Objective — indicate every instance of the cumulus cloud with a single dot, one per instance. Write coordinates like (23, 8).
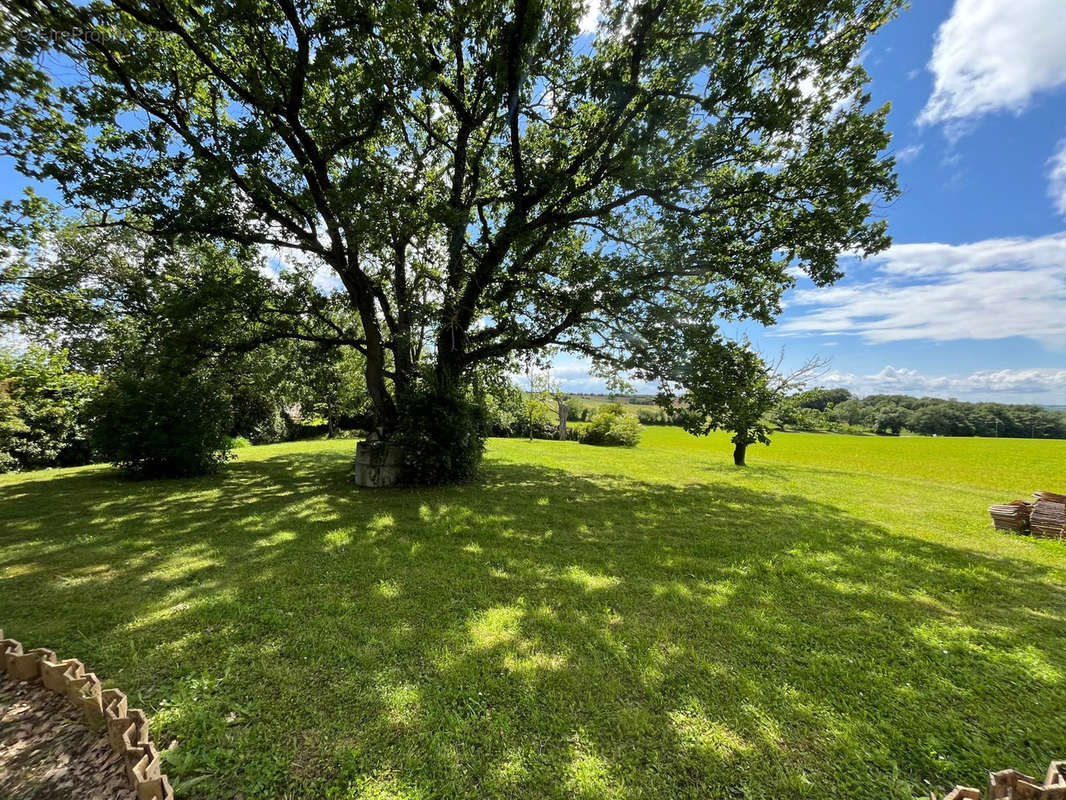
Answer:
(589, 22)
(1057, 178)
(573, 374)
(990, 56)
(991, 289)
(1024, 383)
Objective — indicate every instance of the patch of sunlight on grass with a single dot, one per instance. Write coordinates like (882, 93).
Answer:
(589, 774)
(402, 703)
(336, 539)
(84, 577)
(657, 663)
(509, 771)
(183, 562)
(528, 661)
(696, 732)
(951, 641)
(495, 626)
(20, 570)
(388, 588)
(677, 589)
(381, 523)
(382, 787)
(589, 581)
(473, 548)
(275, 539)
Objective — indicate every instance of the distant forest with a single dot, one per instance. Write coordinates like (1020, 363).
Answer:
(839, 409)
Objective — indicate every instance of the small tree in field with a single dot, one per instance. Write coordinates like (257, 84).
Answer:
(538, 391)
(729, 386)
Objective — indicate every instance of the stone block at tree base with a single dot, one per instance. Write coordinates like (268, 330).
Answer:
(377, 464)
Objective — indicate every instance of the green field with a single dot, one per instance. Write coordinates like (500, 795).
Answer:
(837, 620)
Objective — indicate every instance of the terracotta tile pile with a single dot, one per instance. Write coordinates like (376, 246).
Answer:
(127, 728)
(1009, 784)
(1013, 516)
(1045, 517)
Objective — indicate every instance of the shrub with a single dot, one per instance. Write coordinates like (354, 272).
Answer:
(237, 442)
(610, 425)
(12, 429)
(577, 410)
(163, 423)
(442, 432)
(510, 411)
(538, 422)
(43, 411)
(504, 408)
(272, 428)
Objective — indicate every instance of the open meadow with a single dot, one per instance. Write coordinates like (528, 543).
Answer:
(837, 620)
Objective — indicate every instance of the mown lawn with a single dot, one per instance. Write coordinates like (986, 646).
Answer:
(837, 620)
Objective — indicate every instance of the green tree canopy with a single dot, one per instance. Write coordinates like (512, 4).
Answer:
(481, 179)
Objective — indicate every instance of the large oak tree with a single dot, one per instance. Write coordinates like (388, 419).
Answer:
(483, 179)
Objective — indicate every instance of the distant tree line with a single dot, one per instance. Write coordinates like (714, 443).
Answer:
(840, 410)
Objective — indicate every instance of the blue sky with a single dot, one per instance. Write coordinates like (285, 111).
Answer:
(970, 301)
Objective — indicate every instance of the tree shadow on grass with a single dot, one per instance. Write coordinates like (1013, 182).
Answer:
(537, 634)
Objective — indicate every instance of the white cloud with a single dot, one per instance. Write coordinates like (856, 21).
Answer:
(590, 21)
(1057, 178)
(909, 153)
(1029, 383)
(275, 260)
(992, 289)
(993, 56)
(574, 374)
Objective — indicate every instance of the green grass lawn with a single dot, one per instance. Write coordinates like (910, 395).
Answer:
(837, 620)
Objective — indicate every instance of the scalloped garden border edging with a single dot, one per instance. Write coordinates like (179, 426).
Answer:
(1009, 784)
(127, 728)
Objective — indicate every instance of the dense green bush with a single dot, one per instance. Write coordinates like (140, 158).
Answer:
(271, 428)
(442, 432)
(610, 425)
(540, 421)
(511, 413)
(255, 415)
(577, 410)
(163, 422)
(12, 428)
(43, 411)
(659, 416)
(505, 409)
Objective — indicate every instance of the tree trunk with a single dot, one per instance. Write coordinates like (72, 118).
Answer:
(374, 366)
(739, 451)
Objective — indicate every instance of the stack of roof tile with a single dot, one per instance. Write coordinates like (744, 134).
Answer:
(1013, 516)
(1045, 517)
(1048, 517)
